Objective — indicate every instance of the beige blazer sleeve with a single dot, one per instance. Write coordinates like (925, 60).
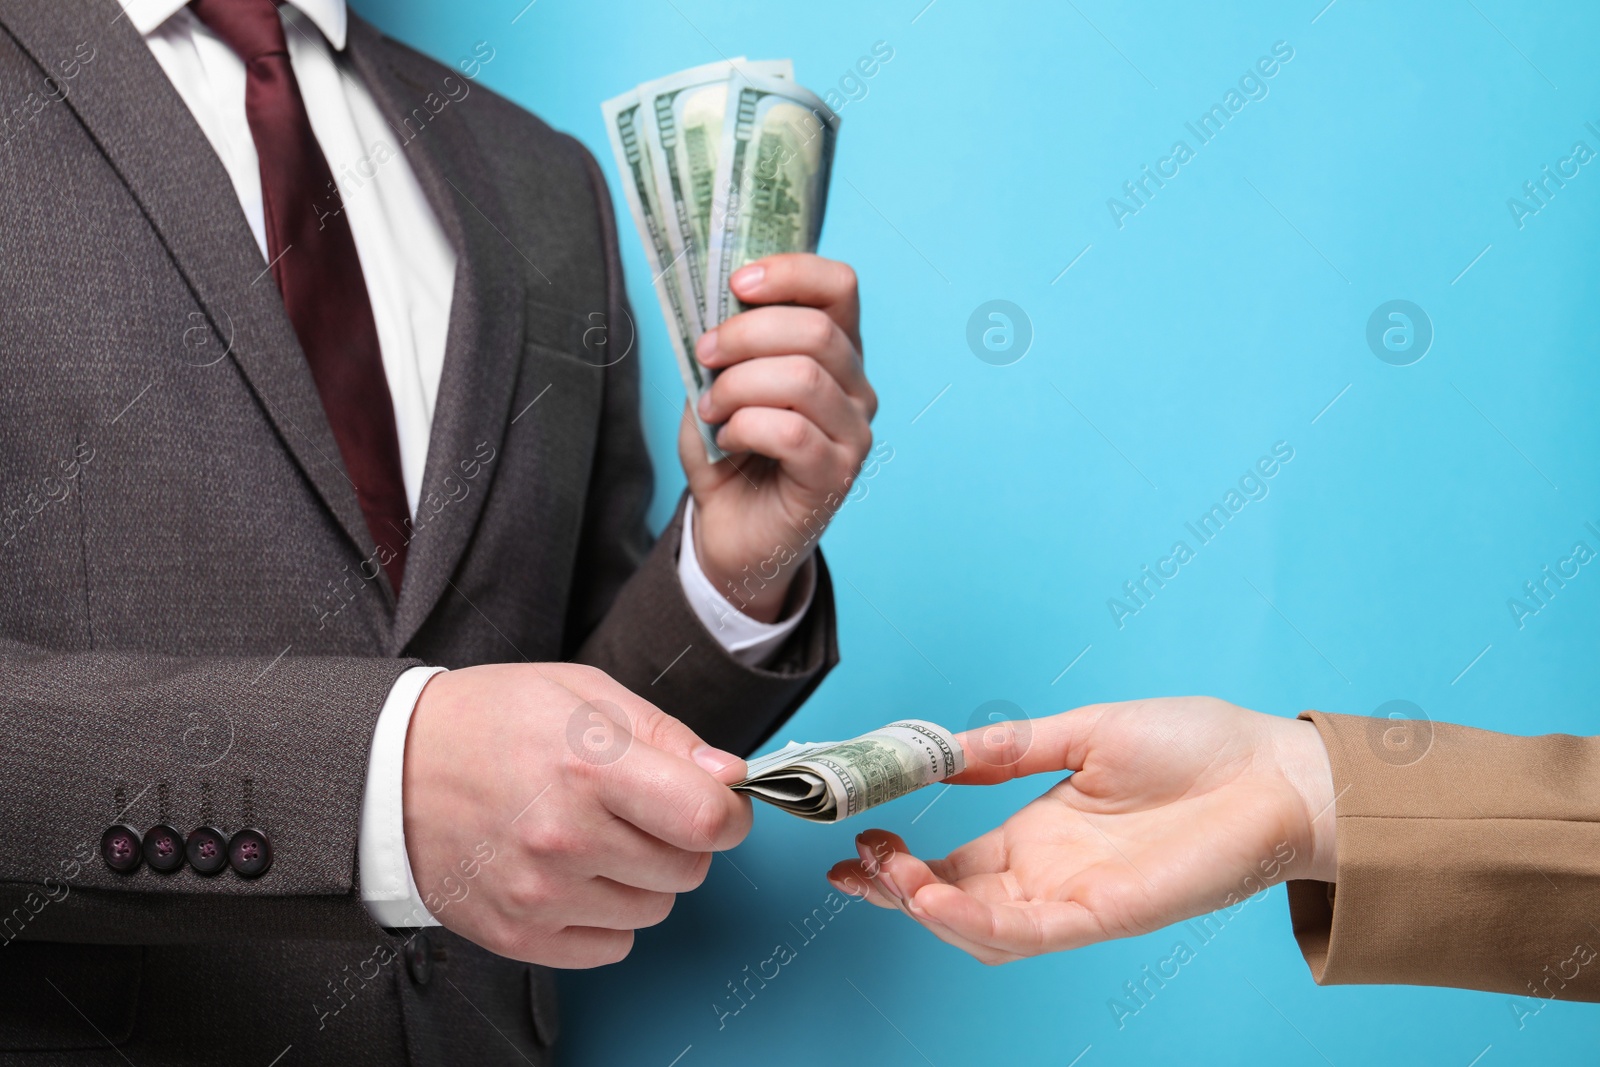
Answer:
(1465, 858)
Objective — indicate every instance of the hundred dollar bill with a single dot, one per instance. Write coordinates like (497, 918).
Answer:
(627, 126)
(772, 181)
(833, 780)
(686, 111)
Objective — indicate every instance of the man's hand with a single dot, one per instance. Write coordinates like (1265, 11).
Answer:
(549, 812)
(794, 406)
(1177, 807)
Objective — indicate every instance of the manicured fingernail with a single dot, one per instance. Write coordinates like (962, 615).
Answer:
(748, 278)
(713, 760)
(852, 887)
(706, 348)
(875, 870)
(704, 405)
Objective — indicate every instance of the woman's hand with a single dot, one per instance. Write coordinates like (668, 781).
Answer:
(1176, 807)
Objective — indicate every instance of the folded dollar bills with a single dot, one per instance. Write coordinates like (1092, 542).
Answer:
(833, 780)
(721, 165)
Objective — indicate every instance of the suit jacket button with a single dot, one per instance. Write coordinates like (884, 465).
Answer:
(207, 849)
(250, 853)
(120, 848)
(163, 848)
(419, 958)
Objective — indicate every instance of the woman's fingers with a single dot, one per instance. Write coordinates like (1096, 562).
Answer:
(850, 877)
(1008, 928)
(891, 866)
(978, 951)
(999, 752)
(892, 874)
(969, 899)
(883, 872)
(886, 874)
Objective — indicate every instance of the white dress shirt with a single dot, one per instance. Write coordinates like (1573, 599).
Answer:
(409, 269)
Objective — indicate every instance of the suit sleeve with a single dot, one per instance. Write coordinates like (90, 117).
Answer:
(1465, 858)
(629, 612)
(96, 739)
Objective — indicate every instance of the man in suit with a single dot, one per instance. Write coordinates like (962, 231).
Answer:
(344, 689)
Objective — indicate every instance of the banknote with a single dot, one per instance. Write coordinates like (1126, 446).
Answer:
(771, 188)
(627, 126)
(833, 780)
(691, 204)
(685, 111)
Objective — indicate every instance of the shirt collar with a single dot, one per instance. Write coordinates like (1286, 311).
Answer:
(332, 17)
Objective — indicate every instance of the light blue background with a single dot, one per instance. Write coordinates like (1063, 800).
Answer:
(1223, 317)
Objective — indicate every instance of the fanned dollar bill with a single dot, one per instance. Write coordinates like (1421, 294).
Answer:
(627, 125)
(670, 137)
(685, 110)
(833, 780)
(772, 181)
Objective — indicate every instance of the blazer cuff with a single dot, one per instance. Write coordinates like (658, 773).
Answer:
(1465, 858)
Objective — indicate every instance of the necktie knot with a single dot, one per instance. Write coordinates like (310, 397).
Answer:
(250, 27)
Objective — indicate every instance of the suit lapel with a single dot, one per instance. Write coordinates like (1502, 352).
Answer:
(146, 133)
(139, 122)
(484, 346)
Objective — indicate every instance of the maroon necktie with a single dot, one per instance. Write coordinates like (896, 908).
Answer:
(313, 260)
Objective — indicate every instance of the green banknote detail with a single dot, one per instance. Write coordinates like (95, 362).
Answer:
(773, 168)
(686, 112)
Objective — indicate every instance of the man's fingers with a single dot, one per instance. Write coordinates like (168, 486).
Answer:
(645, 723)
(1002, 751)
(797, 383)
(692, 441)
(800, 278)
(578, 947)
(811, 457)
(673, 800)
(632, 857)
(608, 905)
(785, 331)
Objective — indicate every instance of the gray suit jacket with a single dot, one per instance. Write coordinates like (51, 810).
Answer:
(185, 632)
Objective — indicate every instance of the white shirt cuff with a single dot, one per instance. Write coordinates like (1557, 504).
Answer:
(388, 888)
(750, 641)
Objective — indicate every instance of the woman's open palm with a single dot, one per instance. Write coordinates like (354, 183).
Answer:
(1176, 807)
